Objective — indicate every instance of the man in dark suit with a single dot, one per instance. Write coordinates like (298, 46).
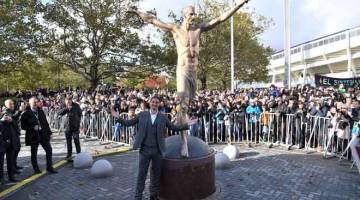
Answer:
(38, 131)
(72, 126)
(6, 148)
(150, 139)
(15, 116)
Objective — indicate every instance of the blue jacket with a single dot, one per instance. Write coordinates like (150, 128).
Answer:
(253, 110)
(274, 93)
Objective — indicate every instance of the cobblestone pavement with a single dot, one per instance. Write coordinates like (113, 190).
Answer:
(58, 144)
(259, 173)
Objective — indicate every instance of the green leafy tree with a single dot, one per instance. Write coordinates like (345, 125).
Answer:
(96, 38)
(46, 74)
(18, 31)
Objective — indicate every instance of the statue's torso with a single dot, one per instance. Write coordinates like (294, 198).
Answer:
(187, 45)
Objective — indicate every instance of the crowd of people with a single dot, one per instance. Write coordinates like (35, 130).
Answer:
(340, 104)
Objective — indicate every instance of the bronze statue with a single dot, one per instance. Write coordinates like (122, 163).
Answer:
(187, 39)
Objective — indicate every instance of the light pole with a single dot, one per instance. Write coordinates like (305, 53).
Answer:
(58, 76)
(287, 50)
(232, 52)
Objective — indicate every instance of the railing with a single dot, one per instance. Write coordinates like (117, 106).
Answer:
(312, 133)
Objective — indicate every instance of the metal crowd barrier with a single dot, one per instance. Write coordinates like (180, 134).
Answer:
(291, 130)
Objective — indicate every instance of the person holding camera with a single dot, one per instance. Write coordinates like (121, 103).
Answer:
(239, 113)
(15, 129)
(222, 111)
(343, 131)
(7, 148)
(300, 125)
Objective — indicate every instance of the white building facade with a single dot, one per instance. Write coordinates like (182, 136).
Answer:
(336, 55)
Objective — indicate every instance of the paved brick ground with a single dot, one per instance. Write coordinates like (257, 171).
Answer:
(259, 173)
(58, 144)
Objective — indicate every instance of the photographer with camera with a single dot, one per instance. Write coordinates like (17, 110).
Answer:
(14, 128)
(301, 121)
(239, 113)
(343, 130)
(222, 111)
(7, 145)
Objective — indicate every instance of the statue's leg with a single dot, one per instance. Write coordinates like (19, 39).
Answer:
(184, 147)
(182, 118)
(183, 92)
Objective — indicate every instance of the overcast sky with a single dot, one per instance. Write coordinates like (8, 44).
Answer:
(310, 18)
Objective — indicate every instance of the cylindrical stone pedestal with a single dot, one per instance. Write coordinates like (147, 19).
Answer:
(187, 178)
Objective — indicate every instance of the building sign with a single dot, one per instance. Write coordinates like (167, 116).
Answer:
(329, 81)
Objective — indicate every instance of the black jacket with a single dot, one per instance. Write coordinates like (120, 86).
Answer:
(73, 117)
(15, 115)
(239, 113)
(13, 127)
(5, 141)
(28, 122)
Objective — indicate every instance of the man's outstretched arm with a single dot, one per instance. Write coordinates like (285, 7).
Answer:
(183, 127)
(213, 23)
(152, 20)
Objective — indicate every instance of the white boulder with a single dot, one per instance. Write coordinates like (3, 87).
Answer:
(222, 161)
(83, 160)
(102, 169)
(231, 151)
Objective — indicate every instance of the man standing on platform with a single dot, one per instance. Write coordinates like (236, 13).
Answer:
(150, 139)
(38, 132)
(72, 127)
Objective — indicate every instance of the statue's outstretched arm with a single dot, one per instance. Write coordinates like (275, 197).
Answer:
(210, 25)
(152, 20)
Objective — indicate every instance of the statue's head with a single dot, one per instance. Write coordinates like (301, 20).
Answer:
(188, 13)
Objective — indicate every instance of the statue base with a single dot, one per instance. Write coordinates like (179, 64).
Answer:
(187, 178)
(217, 195)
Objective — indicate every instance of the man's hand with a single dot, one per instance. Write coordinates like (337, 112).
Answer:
(22, 107)
(132, 9)
(37, 128)
(6, 118)
(114, 113)
(349, 113)
(242, 1)
(3, 118)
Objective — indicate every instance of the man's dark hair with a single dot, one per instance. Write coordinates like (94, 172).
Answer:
(155, 97)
